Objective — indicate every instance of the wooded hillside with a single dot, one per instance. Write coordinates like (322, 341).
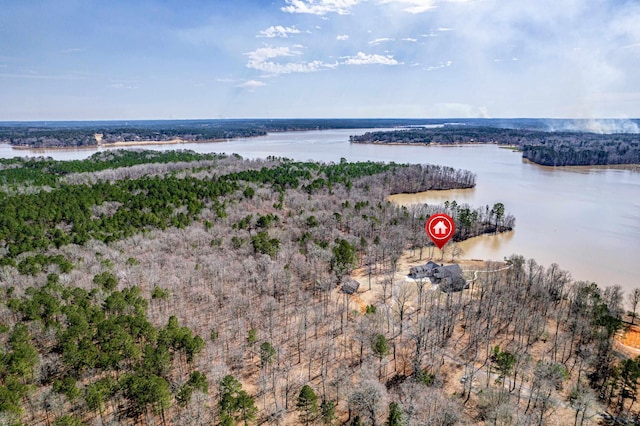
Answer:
(206, 290)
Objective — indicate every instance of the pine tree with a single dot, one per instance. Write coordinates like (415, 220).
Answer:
(328, 411)
(395, 415)
(307, 404)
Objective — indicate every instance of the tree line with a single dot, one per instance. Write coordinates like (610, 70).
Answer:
(39, 135)
(547, 148)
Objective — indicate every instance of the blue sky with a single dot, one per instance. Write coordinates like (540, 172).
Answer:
(85, 60)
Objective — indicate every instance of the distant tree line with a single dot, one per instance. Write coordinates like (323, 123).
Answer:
(545, 148)
(80, 135)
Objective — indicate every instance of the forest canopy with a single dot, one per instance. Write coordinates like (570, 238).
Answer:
(178, 288)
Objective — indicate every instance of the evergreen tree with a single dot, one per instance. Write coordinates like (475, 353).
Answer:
(344, 257)
(328, 412)
(307, 404)
(267, 352)
(395, 415)
(235, 404)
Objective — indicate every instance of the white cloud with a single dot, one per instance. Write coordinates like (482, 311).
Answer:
(261, 54)
(290, 67)
(421, 6)
(251, 84)
(363, 59)
(343, 7)
(414, 6)
(278, 31)
(380, 40)
(259, 60)
(342, 37)
(413, 40)
(320, 7)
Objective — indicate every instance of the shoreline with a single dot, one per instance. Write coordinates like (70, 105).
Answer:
(512, 148)
(175, 141)
(623, 166)
(114, 144)
(459, 144)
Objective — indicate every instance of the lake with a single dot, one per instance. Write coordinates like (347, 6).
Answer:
(585, 219)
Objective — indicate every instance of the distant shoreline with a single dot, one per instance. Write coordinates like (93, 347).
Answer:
(114, 144)
(513, 148)
(430, 143)
(169, 142)
(630, 166)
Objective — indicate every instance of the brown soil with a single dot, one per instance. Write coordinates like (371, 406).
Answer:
(628, 341)
(631, 337)
(410, 258)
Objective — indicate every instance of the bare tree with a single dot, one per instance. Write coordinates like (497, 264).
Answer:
(634, 299)
(403, 295)
(369, 400)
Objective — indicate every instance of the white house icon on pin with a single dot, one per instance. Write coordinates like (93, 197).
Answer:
(440, 228)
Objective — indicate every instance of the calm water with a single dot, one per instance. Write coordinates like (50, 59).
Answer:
(587, 220)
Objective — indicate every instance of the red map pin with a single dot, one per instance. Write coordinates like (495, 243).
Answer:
(440, 229)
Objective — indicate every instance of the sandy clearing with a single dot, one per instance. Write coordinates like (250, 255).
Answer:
(410, 258)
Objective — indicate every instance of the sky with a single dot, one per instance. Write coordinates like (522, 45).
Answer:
(189, 59)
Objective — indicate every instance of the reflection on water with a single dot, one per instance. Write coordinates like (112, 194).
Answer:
(585, 219)
(483, 247)
(486, 246)
(434, 197)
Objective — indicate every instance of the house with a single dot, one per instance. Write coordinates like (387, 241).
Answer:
(423, 271)
(440, 228)
(449, 278)
(349, 285)
(441, 272)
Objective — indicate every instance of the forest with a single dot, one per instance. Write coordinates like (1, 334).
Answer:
(549, 148)
(83, 134)
(35, 137)
(562, 148)
(141, 287)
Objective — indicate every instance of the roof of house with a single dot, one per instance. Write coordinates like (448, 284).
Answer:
(447, 271)
(423, 271)
(448, 277)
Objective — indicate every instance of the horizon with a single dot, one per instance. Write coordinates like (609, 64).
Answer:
(326, 59)
(588, 119)
(596, 126)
